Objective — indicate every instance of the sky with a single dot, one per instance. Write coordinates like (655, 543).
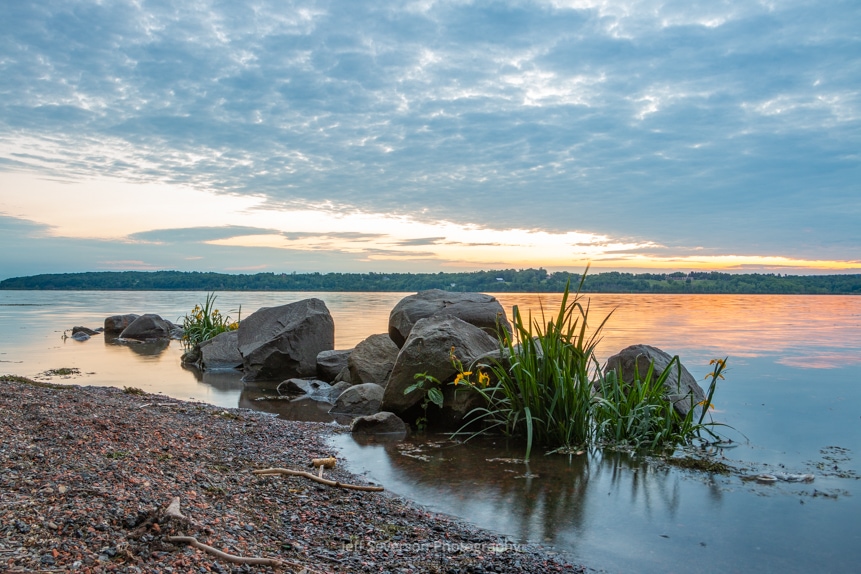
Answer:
(425, 136)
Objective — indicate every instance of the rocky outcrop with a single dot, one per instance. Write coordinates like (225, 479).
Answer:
(478, 309)
(331, 363)
(283, 342)
(428, 350)
(682, 390)
(115, 324)
(379, 423)
(220, 352)
(372, 360)
(361, 399)
(149, 327)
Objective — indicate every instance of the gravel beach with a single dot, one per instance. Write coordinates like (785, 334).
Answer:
(87, 475)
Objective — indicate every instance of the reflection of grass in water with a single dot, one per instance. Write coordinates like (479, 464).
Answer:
(694, 463)
(61, 372)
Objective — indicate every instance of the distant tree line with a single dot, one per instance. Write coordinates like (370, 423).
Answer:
(499, 281)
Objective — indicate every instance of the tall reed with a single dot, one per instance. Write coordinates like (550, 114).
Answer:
(544, 377)
(205, 322)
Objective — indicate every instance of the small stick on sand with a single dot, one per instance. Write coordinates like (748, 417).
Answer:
(308, 475)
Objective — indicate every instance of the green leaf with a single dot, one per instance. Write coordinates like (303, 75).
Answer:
(435, 396)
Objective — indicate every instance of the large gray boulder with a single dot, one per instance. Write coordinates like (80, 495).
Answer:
(283, 342)
(331, 363)
(364, 399)
(379, 423)
(428, 350)
(372, 360)
(220, 352)
(478, 309)
(148, 327)
(683, 392)
(115, 324)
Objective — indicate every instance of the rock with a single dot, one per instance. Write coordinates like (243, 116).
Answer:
(427, 350)
(80, 336)
(331, 363)
(344, 376)
(682, 393)
(148, 327)
(372, 360)
(303, 386)
(361, 399)
(176, 331)
(84, 330)
(115, 324)
(331, 393)
(478, 309)
(220, 352)
(283, 342)
(379, 423)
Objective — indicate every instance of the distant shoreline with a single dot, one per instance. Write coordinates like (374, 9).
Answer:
(496, 281)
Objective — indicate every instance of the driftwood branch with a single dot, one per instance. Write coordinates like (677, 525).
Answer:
(192, 541)
(308, 475)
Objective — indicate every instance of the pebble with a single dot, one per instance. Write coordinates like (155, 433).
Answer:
(123, 464)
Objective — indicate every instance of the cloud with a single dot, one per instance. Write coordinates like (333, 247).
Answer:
(731, 125)
(196, 234)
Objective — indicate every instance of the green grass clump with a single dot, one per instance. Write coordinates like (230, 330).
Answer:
(544, 380)
(550, 389)
(205, 322)
(133, 391)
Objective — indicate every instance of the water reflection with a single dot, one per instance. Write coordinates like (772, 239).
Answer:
(615, 512)
(149, 350)
(699, 327)
(224, 380)
(264, 396)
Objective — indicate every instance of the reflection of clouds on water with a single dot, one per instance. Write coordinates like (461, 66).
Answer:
(698, 327)
(822, 360)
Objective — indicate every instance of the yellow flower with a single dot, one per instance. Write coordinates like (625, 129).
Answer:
(720, 362)
(462, 377)
(703, 402)
(483, 379)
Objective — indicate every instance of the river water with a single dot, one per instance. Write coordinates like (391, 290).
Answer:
(792, 388)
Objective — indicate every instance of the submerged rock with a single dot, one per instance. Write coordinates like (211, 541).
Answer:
(380, 423)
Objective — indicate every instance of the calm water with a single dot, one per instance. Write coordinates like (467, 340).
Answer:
(792, 388)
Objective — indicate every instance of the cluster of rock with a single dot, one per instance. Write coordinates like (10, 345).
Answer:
(294, 344)
(133, 328)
